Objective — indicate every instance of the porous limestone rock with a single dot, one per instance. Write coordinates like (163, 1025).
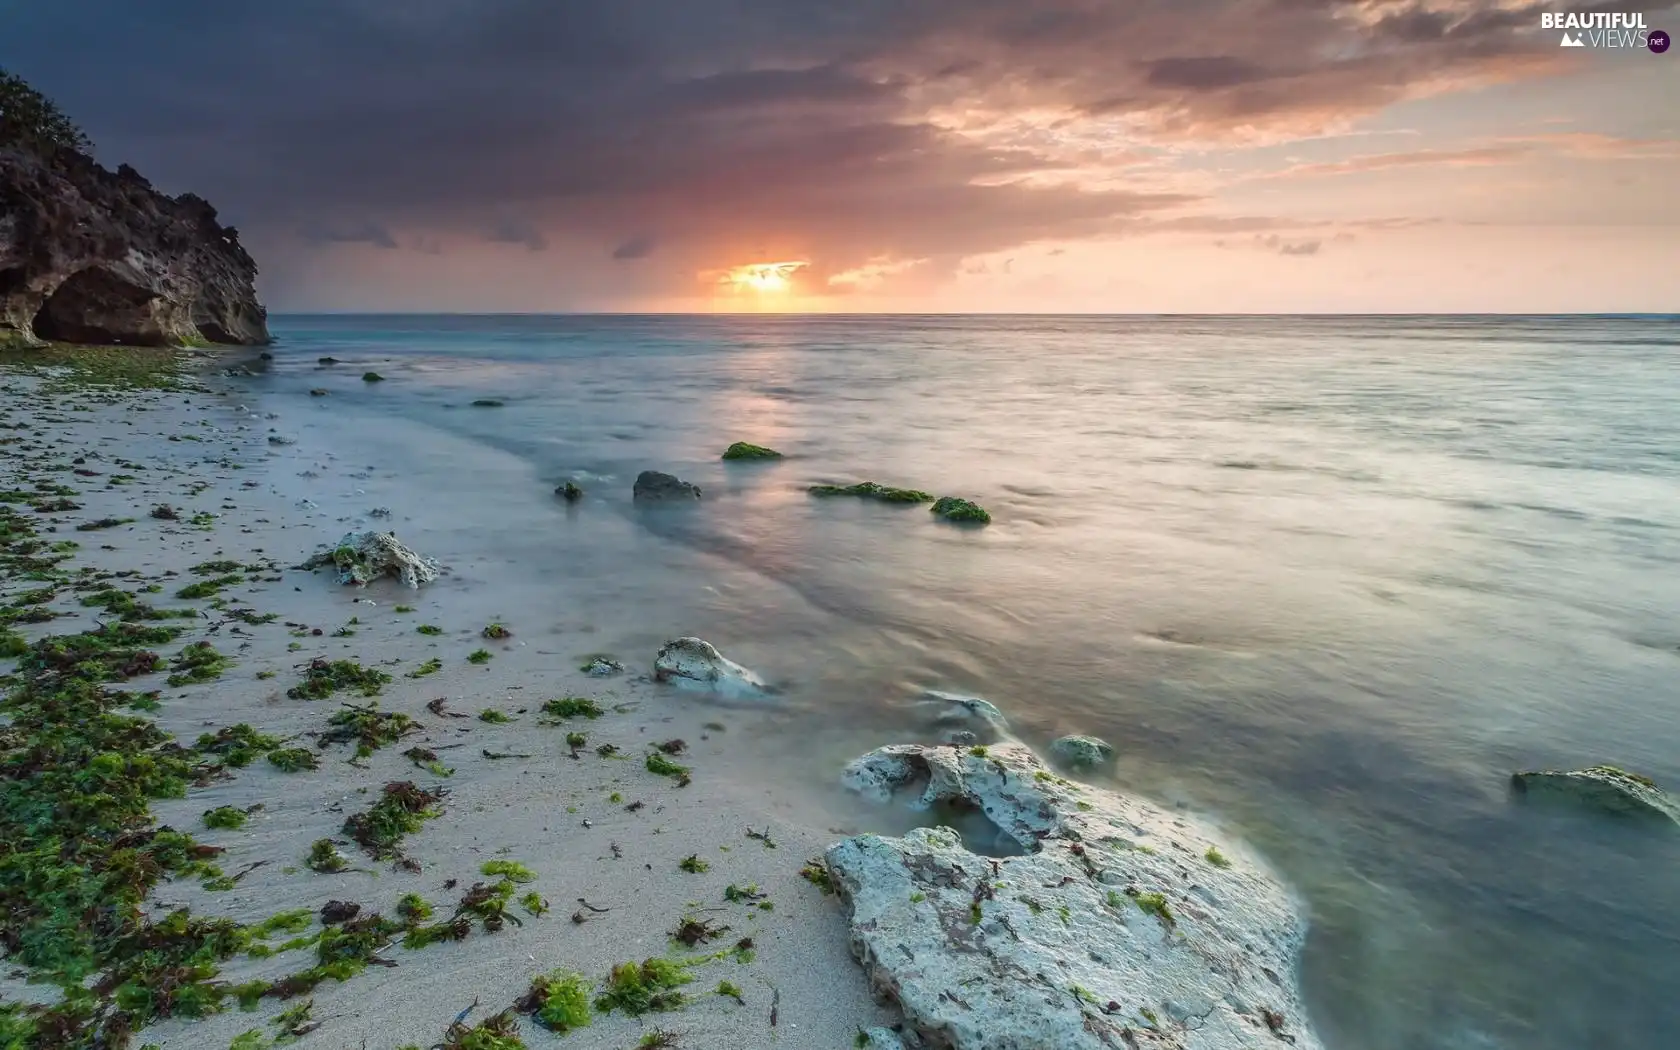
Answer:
(1082, 752)
(361, 557)
(879, 1039)
(1112, 931)
(93, 256)
(955, 712)
(693, 661)
(1604, 787)
(652, 486)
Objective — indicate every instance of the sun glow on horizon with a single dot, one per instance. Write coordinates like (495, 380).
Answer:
(766, 278)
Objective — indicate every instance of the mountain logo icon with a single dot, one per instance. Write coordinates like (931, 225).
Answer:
(1572, 41)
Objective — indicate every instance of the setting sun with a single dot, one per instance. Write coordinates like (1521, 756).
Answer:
(762, 277)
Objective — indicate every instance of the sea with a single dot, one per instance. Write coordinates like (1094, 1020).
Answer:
(1325, 581)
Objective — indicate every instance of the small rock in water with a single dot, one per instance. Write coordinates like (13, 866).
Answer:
(326, 360)
(951, 508)
(747, 450)
(651, 485)
(317, 392)
(1604, 787)
(276, 439)
(602, 667)
(380, 512)
(372, 377)
(571, 492)
(1082, 752)
(488, 402)
(697, 662)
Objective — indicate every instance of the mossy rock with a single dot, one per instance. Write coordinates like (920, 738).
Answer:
(872, 490)
(571, 492)
(1082, 752)
(953, 508)
(372, 377)
(747, 450)
(1601, 787)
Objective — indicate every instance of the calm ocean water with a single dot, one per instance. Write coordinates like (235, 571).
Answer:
(1327, 580)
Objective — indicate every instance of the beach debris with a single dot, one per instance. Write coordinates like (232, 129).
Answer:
(165, 512)
(439, 707)
(953, 508)
(496, 632)
(335, 912)
(694, 661)
(400, 811)
(1082, 752)
(281, 439)
(362, 557)
(653, 486)
(600, 665)
(1117, 923)
(747, 450)
(874, 491)
(692, 932)
(1602, 787)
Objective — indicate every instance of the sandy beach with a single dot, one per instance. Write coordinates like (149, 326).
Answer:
(620, 855)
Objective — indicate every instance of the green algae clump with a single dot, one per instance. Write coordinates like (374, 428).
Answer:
(747, 450)
(559, 1001)
(323, 678)
(953, 508)
(651, 986)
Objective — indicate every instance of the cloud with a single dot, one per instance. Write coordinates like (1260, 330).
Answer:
(517, 231)
(1485, 155)
(368, 232)
(638, 247)
(739, 129)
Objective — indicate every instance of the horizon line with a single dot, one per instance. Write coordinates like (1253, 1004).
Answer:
(1646, 314)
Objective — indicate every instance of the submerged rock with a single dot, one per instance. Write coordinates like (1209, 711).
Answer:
(1082, 752)
(571, 492)
(318, 392)
(372, 377)
(94, 256)
(1604, 787)
(697, 662)
(871, 490)
(651, 485)
(1120, 926)
(956, 713)
(488, 402)
(746, 450)
(951, 508)
(362, 557)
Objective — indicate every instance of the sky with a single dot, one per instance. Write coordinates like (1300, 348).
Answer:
(1154, 156)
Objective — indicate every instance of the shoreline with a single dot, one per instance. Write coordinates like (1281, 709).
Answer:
(565, 820)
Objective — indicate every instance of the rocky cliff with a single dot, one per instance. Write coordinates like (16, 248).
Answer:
(93, 256)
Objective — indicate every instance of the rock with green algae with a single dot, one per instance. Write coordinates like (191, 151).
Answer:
(1136, 946)
(1603, 787)
(1082, 752)
(953, 508)
(873, 490)
(362, 557)
(654, 486)
(747, 450)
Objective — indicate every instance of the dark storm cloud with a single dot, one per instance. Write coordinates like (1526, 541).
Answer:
(720, 123)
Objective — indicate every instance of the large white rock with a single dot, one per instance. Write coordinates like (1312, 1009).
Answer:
(361, 557)
(696, 662)
(1116, 929)
(958, 713)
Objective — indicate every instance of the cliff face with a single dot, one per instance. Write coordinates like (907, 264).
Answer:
(93, 256)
